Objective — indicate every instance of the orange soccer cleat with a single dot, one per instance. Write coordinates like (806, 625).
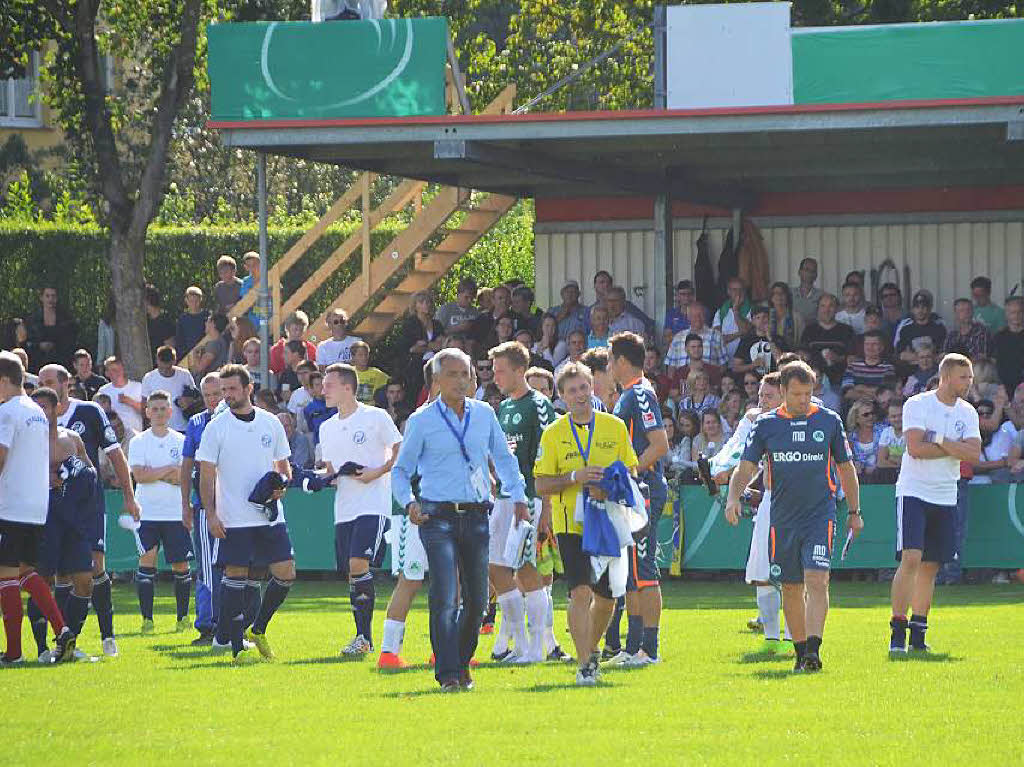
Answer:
(388, 661)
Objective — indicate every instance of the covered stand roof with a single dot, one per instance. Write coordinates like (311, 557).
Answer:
(726, 157)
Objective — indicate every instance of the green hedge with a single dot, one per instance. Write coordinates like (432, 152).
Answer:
(74, 259)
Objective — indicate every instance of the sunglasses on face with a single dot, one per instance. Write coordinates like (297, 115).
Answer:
(339, 322)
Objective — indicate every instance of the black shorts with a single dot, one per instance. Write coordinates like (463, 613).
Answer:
(578, 571)
(255, 546)
(19, 543)
(66, 548)
(172, 536)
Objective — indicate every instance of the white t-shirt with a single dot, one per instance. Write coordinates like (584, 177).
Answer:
(128, 415)
(25, 479)
(160, 501)
(244, 451)
(854, 319)
(897, 445)
(296, 404)
(365, 437)
(174, 385)
(330, 351)
(935, 479)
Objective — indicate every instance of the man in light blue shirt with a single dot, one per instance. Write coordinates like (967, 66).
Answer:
(450, 443)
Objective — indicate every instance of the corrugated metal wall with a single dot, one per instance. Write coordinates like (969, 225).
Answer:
(943, 256)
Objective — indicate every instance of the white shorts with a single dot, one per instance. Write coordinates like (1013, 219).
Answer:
(408, 557)
(758, 565)
(501, 519)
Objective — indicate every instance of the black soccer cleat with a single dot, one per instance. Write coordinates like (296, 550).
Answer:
(811, 662)
(498, 657)
(606, 654)
(64, 647)
(205, 639)
(559, 655)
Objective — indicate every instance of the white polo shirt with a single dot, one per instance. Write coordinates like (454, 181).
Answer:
(159, 501)
(244, 451)
(935, 479)
(25, 479)
(174, 385)
(365, 437)
(330, 351)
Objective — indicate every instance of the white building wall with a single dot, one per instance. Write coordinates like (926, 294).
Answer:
(944, 252)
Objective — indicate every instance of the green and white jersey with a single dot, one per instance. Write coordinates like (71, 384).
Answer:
(523, 420)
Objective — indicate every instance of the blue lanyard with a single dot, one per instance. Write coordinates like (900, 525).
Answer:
(590, 438)
(465, 427)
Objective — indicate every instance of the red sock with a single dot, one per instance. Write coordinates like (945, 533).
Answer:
(10, 601)
(40, 592)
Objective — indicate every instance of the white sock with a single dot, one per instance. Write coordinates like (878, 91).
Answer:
(504, 625)
(769, 601)
(394, 634)
(550, 643)
(515, 603)
(537, 616)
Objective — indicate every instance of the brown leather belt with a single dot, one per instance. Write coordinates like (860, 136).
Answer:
(458, 508)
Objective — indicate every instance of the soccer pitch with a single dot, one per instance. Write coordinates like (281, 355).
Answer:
(712, 700)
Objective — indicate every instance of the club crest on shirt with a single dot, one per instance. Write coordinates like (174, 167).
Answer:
(359, 437)
(78, 428)
(960, 427)
(265, 440)
(819, 435)
(175, 454)
(108, 433)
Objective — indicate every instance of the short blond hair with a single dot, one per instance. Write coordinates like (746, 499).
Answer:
(514, 352)
(573, 370)
(953, 360)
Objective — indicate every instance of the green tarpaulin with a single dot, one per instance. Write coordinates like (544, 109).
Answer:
(304, 71)
(948, 60)
(995, 531)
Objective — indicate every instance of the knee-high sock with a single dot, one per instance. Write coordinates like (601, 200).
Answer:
(362, 597)
(536, 616)
(634, 633)
(10, 603)
(392, 636)
(182, 592)
(251, 601)
(769, 602)
(39, 590)
(613, 636)
(145, 585)
(501, 639)
(37, 621)
(277, 590)
(103, 605)
(229, 624)
(649, 644)
(516, 605)
(549, 622)
(61, 592)
(75, 610)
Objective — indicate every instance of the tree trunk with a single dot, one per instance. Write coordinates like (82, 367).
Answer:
(126, 255)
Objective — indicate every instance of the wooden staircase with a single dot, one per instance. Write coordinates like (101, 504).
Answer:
(476, 214)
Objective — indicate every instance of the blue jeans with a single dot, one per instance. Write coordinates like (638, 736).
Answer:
(456, 546)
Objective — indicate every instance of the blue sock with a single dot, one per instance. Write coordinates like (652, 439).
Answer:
(277, 590)
(650, 644)
(253, 599)
(103, 605)
(39, 624)
(75, 610)
(229, 625)
(145, 586)
(613, 636)
(182, 592)
(61, 592)
(634, 633)
(362, 596)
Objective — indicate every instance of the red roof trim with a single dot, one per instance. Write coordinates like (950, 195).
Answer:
(616, 115)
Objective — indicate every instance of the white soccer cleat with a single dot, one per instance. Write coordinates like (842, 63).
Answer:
(45, 657)
(358, 646)
(619, 659)
(641, 659)
(110, 647)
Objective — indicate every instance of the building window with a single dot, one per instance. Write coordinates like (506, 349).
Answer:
(19, 98)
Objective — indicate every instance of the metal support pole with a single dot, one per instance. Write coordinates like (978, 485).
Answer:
(664, 259)
(660, 57)
(264, 294)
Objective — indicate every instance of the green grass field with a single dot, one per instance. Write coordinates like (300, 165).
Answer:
(711, 701)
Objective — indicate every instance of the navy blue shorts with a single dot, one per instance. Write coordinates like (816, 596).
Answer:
(793, 548)
(643, 557)
(927, 527)
(98, 534)
(66, 548)
(261, 546)
(360, 538)
(171, 536)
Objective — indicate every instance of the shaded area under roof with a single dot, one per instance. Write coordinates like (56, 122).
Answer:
(722, 157)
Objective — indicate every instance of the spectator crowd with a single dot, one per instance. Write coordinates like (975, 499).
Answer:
(705, 362)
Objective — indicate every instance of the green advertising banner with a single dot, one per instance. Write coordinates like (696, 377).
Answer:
(947, 60)
(705, 540)
(295, 70)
